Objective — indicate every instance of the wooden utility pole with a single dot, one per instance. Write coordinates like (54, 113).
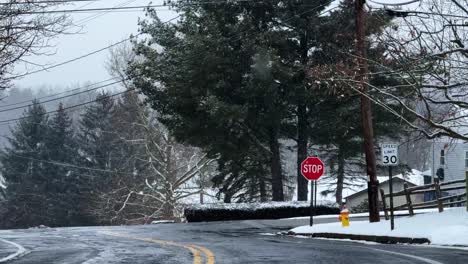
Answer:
(366, 112)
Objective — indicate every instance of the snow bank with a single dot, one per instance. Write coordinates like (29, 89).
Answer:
(447, 228)
(247, 211)
(250, 206)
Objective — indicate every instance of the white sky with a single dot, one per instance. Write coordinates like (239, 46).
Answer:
(97, 33)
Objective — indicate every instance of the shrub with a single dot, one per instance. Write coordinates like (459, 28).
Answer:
(244, 211)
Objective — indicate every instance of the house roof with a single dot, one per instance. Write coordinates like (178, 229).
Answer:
(414, 178)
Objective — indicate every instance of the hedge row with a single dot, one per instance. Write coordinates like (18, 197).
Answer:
(226, 212)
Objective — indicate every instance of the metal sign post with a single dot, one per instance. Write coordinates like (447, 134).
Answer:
(390, 159)
(390, 187)
(312, 209)
(312, 169)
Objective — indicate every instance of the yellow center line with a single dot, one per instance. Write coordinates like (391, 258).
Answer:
(195, 250)
(210, 257)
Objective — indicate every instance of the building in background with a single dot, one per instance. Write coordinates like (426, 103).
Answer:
(415, 178)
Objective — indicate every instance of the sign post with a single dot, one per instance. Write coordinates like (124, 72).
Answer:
(390, 159)
(312, 169)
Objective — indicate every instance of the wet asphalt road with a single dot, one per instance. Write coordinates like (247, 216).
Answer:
(216, 242)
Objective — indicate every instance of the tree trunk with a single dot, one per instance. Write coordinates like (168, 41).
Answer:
(227, 197)
(263, 195)
(301, 151)
(169, 205)
(302, 136)
(275, 166)
(340, 174)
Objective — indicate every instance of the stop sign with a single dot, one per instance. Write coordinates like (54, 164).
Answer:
(312, 168)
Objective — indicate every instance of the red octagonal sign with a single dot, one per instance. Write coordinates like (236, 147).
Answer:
(312, 168)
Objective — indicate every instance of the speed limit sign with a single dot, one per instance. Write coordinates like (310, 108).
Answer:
(389, 154)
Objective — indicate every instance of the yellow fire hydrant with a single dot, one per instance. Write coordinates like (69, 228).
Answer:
(344, 217)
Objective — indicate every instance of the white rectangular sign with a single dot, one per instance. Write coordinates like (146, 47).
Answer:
(389, 154)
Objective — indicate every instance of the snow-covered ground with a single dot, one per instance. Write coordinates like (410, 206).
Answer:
(447, 228)
(396, 213)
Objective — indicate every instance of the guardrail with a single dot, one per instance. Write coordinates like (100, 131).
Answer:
(437, 188)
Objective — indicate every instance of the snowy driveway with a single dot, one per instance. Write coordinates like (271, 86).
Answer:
(228, 242)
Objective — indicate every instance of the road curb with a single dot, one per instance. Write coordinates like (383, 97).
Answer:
(377, 239)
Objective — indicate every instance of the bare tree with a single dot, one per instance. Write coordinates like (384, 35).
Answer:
(117, 63)
(26, 29)
(166, 173)
(169, 175)
(174, 169)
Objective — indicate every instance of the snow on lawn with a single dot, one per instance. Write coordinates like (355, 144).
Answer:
(447, 228)
(396, 213)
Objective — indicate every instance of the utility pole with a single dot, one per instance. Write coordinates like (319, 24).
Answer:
(366, 112)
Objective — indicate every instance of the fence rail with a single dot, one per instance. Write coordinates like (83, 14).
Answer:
(439, 202)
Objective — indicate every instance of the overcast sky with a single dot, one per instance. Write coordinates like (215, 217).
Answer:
(97, 33)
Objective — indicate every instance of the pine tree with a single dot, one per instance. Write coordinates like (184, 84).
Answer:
(219, 93)
(24, 171)
(96, 140)
(61, 150)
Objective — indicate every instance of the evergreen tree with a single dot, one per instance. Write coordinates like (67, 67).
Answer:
(61, 150)
(96, 140)
(227, 74)
(24, 171)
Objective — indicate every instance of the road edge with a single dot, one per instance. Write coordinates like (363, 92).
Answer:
(21, 251)
(370, 238)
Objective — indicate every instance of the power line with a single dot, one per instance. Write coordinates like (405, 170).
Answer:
(62, 97)
(48, 2)
(95, 16)
(87, 10)
(70, 165)
(85, 55)
(74, 59)
(395, 4)
(60, 93)
(406, 13)
(99, 9)
(69, 107)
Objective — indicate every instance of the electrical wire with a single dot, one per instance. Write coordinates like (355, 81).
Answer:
(68, 11)
(62, 97)
(70, 165)
(68, 107)
(395, 4)
(95, 16)
(60, 93)
(47, 2)
(85, 55)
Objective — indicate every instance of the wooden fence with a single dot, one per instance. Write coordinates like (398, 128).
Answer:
(437, 188)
